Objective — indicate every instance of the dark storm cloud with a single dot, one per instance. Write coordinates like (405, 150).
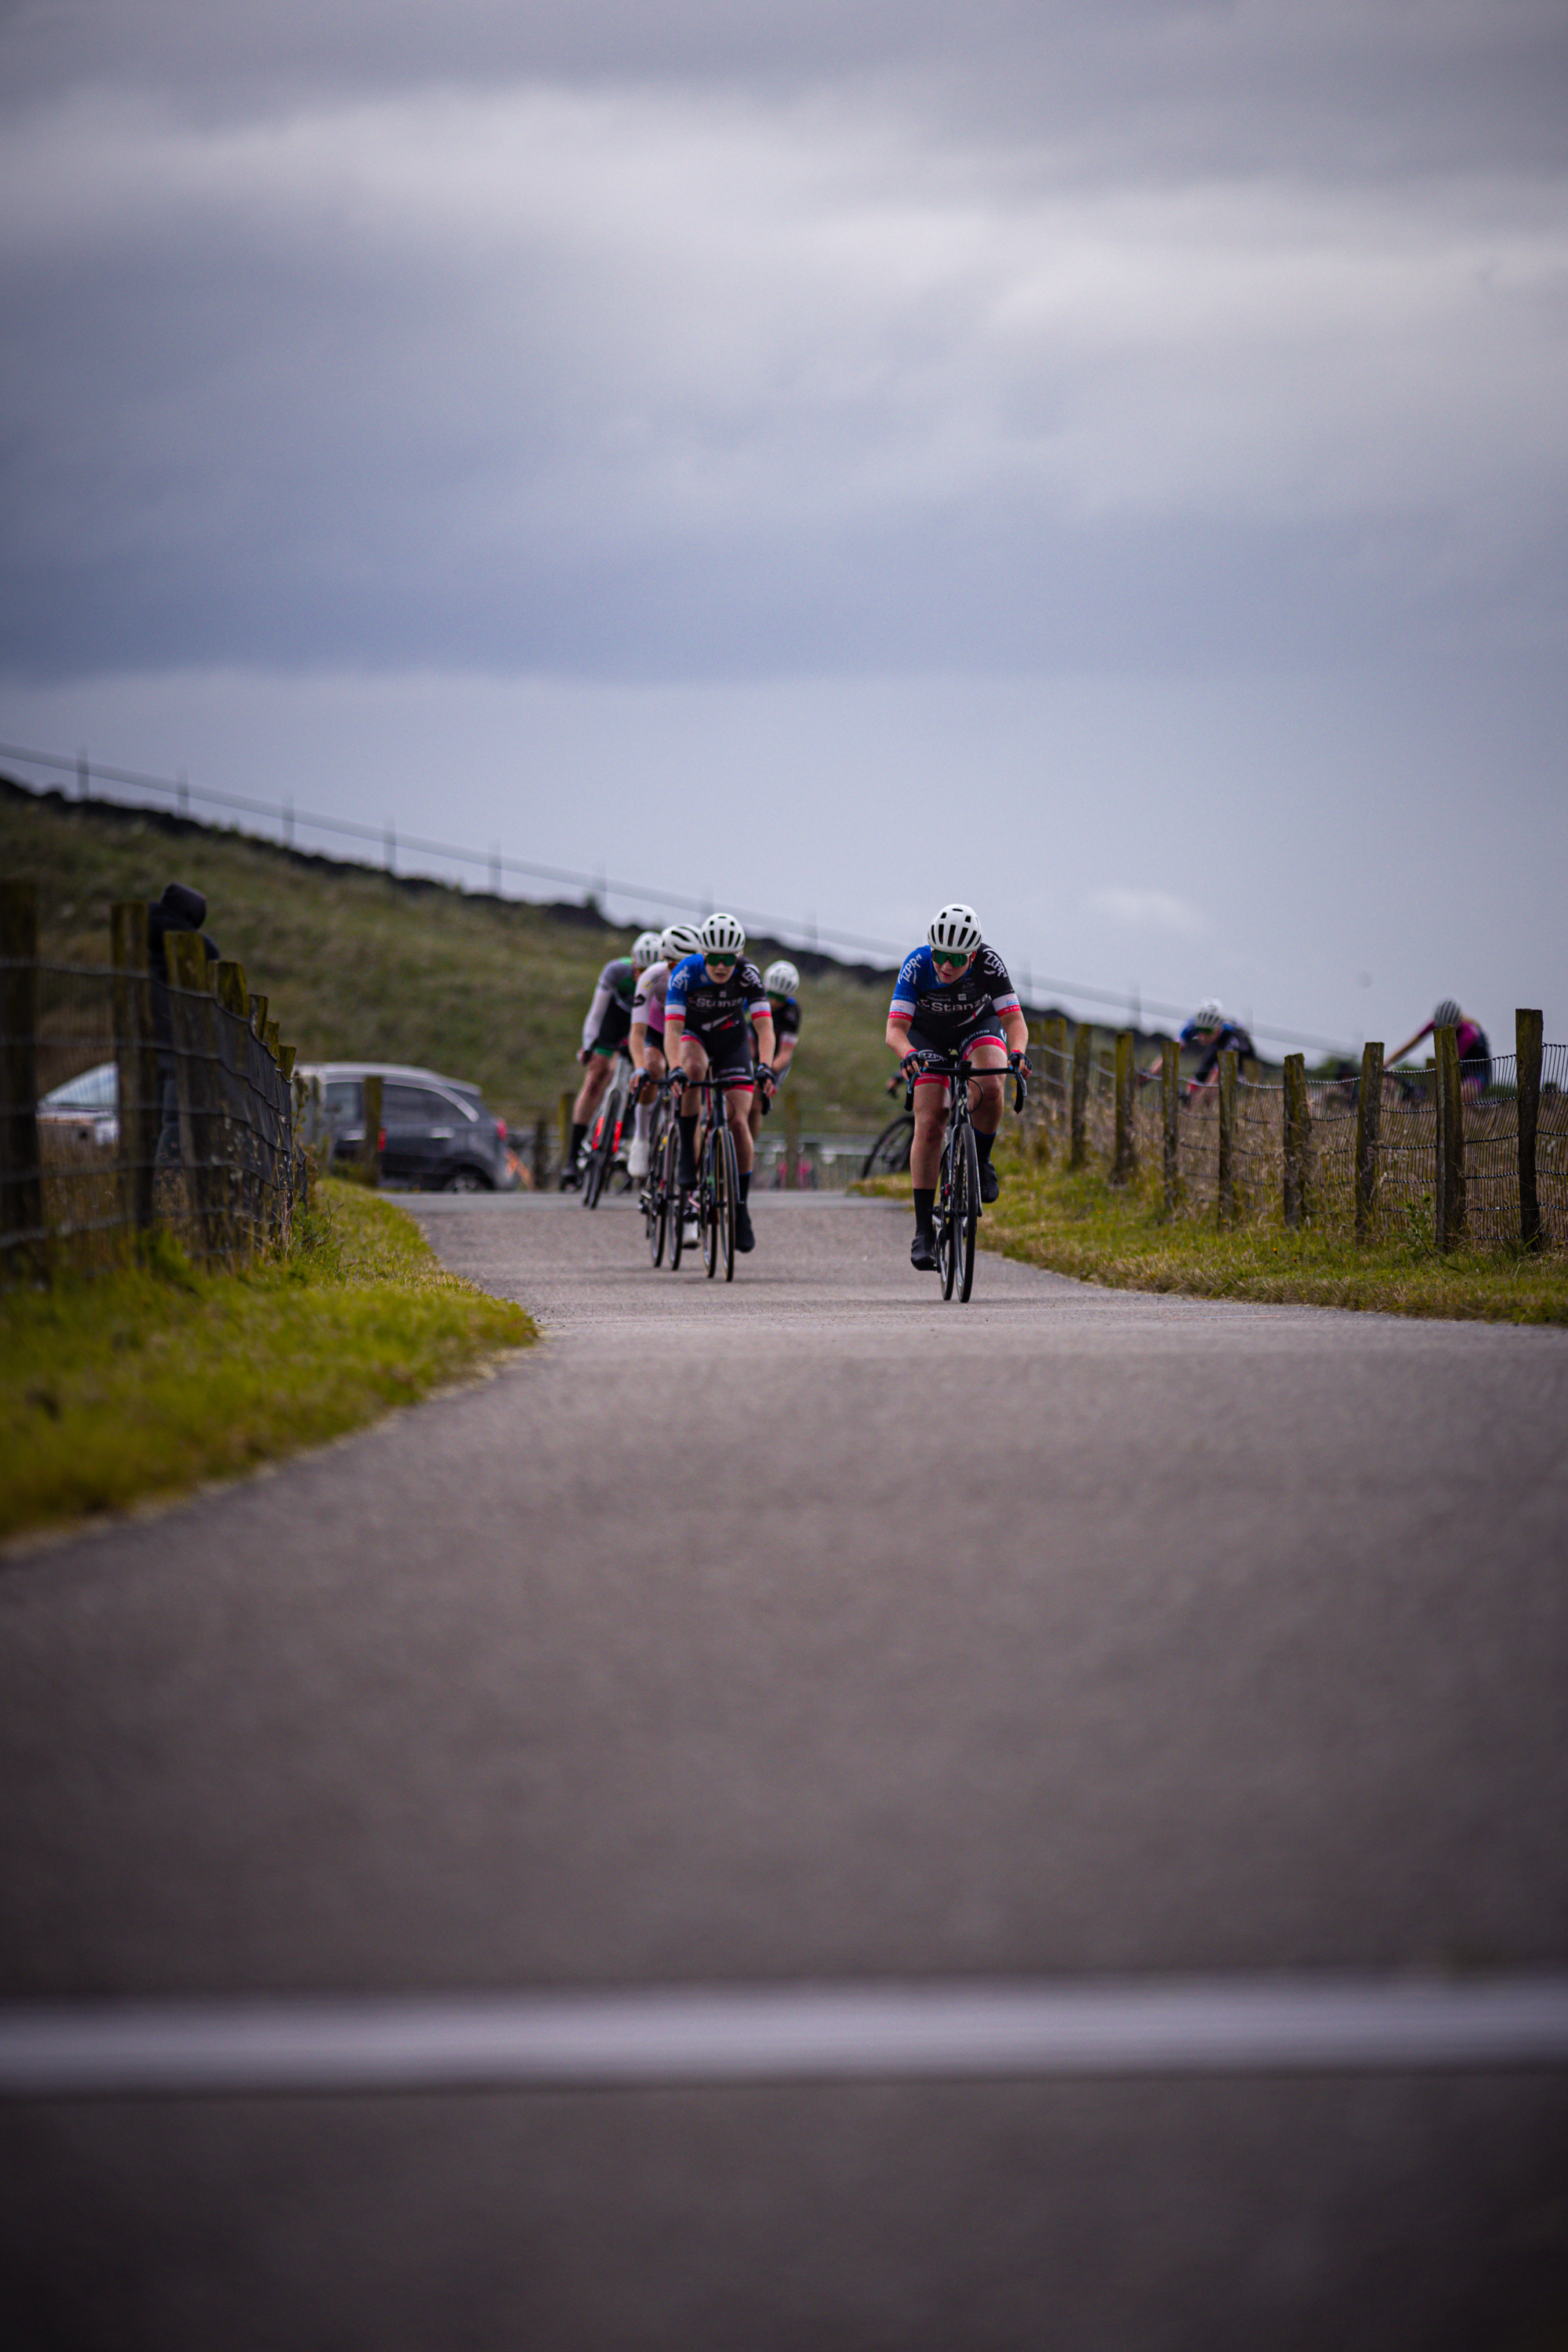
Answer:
(702, 341)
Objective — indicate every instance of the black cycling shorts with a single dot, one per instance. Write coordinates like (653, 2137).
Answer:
(948, 1048)
(729, 1051)
(614, 1030)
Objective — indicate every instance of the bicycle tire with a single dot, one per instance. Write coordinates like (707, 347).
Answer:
(966, 1206)
(708, 1206)
(674, 1206)
(946, 1229)
(729, 1193)
(593, 1167)
(657, 1212)
(889, 1155)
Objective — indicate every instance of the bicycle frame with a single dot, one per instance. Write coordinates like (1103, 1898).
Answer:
(958, 1180)
(718, 1177)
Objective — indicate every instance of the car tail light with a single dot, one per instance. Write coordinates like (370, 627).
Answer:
(381, 1139)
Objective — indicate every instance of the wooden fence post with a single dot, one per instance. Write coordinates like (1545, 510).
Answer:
(22, 1234)
(1054, 1035)
(193, 1012)
(1449, 1220)
(1081, 1042)
(370, 1149)
(1125, 1164)
(792, 1142)
(541, 1151)
(1226, 1183)
(1297, 1139)
(1368, 1126)
(566, 1102)
(1170, 1122)
(1526, 1033)
(136, 1060)
(232, 1025)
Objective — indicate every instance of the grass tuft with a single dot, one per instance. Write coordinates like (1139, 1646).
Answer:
(143, 1384)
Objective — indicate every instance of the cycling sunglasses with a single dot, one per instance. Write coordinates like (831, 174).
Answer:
(947, 960)
(720, 963)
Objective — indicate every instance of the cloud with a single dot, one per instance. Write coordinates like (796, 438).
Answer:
(769, 361)
(1148, 910)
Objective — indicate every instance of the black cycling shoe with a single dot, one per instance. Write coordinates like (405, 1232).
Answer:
(745, 1239)
(922, 1252)
(990, 1183)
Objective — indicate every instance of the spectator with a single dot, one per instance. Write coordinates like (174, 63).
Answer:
(1475, 1053)
(180, 909)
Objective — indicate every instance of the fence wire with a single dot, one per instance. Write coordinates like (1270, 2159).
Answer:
(130, 1105)
(1406, 1177)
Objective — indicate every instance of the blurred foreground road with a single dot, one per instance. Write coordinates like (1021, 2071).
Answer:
(808, 1631)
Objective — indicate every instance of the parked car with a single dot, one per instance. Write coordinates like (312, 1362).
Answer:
(440, 1134)
(87, 1107)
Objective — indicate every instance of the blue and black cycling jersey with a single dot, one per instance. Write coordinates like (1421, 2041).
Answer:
(713, 1008)
(1230, 1038)
(946, 1011)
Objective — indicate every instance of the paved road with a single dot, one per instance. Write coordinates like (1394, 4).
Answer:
(808, 1630)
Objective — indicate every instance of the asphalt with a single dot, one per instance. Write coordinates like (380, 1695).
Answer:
(810, 1631)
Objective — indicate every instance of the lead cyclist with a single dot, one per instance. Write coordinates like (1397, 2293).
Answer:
(953, 998)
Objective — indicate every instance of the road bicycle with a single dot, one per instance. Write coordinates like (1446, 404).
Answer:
(957, 1208)
(718, 1187)
(604, 1148)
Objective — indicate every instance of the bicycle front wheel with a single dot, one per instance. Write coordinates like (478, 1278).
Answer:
(966, 1206)
(601, 1145)
(708, 1206)
(675, 1220)
(728, 1193)
(946, 1230)
(657, 1194)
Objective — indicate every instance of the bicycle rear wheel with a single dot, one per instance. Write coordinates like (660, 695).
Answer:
(601, 1146)
(728, 1193)
(966, 1207)
(889, 1155)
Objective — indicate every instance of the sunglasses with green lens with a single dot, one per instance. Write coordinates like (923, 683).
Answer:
(947, 960)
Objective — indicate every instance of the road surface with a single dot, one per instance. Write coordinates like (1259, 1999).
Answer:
(802, 1637)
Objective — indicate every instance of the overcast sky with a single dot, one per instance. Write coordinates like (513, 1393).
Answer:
(1106, 464)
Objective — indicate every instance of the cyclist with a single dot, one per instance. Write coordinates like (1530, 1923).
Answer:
(710, 997)
(604, 1035)
(1475, 1053)
(783, 984)
(1214, 1034)
(952, 997)
(645, 1043)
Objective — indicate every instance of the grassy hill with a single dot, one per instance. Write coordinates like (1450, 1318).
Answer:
(360, 965)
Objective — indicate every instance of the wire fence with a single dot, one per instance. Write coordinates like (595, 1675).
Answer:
(132, 1105)
(1237, 1160)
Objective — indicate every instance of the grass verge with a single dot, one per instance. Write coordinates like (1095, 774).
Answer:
(1080, 1224)
(142, 1384)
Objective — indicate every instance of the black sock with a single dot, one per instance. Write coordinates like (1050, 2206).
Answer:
(688, 1148)
(579, 1129)
(983, 1144)
(924, 1203)
(746, 1176)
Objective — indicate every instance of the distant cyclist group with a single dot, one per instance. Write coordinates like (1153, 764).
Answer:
(685, 1033)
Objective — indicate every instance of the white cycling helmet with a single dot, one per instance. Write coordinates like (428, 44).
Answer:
(956, 929)
(1447, 1015)
(722, 935)
(781, 978)
(1210, 1014)
(680, 939)
(647, 948)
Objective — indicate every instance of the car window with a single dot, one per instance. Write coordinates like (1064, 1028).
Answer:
(341, 1098)
(405, 1106)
